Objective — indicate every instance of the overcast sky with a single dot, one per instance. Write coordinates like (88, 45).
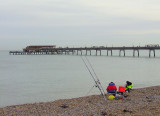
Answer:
(78, 23)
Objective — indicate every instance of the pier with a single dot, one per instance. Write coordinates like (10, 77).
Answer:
(52, 50)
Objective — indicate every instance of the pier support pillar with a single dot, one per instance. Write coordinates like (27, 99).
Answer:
(97, 52)
(134, 52)
(111, 52)
(123, 52)
(154, 54)
(77, 52)
(87, 52)
(72, 52)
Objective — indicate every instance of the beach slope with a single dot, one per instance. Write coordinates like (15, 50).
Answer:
(143, 101)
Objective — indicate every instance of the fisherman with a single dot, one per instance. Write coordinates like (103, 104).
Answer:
(111, 88)
(128, 86)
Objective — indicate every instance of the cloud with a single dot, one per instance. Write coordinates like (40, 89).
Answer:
(140, 9)
(83, 12)
(80, 21)
(138, 32)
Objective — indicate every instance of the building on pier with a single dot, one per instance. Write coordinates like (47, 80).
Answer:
(38, 48)
(152, 45)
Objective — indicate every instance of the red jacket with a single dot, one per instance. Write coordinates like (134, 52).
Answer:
(111, 87)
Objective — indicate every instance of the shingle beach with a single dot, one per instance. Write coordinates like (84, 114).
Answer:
(139, 102)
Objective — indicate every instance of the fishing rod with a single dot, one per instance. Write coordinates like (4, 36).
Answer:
(97, 84)
(95, 74)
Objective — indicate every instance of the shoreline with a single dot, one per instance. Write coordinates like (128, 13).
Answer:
(140, 101)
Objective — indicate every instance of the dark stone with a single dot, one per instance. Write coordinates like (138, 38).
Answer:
(64, 106)
(125, 96)
(103, 113)
(89, 101)
(149, 100)
(127, 111)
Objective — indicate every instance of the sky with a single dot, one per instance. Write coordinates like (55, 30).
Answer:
(78, 23)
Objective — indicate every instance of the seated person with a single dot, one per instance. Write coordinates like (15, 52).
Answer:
(111, 88)
(128, 86)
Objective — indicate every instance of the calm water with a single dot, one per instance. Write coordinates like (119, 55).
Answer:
(40, 78)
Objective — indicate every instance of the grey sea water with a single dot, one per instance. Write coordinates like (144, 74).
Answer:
(41, 78)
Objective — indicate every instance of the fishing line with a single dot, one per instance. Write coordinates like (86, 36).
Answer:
(90, 90)
(97, 85)
(95, 74)
(92, 76)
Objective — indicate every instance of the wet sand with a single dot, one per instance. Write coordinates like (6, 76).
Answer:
(139, 102)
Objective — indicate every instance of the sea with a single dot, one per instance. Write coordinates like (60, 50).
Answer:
(42, 78)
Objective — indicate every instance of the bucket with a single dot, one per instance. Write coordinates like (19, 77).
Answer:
(121, 89)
